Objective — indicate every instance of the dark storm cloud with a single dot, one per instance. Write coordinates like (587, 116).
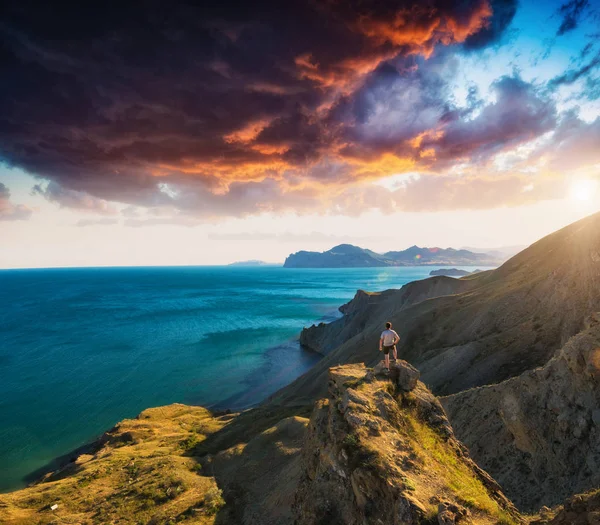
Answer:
(10, 211)
(397, 102)
(226, 108)
(571, 12)
(504, 12)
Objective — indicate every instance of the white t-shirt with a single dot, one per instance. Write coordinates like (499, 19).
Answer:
(389, 336)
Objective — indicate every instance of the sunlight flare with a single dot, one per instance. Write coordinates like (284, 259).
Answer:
(583, 190)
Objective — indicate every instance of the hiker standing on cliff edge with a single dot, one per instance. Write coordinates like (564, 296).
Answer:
(388, 341)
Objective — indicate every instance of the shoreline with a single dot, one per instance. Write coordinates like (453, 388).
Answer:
(254, 391)
(229, 405)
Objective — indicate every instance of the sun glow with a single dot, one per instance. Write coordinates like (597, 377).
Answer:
(583, 190)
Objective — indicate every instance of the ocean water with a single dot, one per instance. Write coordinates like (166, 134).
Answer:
(81, 349)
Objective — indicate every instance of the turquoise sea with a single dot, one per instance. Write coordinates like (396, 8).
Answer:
(81, 349)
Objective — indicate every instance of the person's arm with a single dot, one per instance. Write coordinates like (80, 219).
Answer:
(397, 338)
(381, 343)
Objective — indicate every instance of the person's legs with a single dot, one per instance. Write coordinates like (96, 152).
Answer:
(395, 354)
(386, 351)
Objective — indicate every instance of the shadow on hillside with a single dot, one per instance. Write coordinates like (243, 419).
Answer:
(245, 426)
(269, 463)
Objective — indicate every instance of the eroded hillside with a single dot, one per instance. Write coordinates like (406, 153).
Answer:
(478, 330)
(538, 434)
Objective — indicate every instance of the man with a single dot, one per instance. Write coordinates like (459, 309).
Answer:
(388, 341)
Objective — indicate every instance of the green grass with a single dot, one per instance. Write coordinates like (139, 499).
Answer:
(457, 475)
(351, 441)
(213, 501)
(353, 383)
(190, 443)
(408, 484)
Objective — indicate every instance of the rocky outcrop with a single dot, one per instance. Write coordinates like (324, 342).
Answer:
(582, 509)
(538, 434)
(376, 454)
(404, 375)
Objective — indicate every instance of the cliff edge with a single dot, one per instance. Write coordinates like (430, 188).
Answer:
(382, 451)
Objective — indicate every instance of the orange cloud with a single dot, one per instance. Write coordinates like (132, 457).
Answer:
(248, 132)
(432, 134)
(420, 28)
(385, 165)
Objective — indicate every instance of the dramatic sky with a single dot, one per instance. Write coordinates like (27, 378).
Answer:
(160, 133)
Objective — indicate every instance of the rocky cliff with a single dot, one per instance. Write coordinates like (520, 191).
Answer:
(360, 312)
(382, 452)
(581, 509)
(538, 434)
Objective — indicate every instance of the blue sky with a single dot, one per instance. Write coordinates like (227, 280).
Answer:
(210, 137)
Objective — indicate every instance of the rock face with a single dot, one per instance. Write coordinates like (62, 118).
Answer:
(376, 455)
(538, 434)
(348, 256)
(582, 509)
(482, 329)
(404, 375)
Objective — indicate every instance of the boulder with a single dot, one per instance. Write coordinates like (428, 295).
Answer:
(451, 513)
(404, 375)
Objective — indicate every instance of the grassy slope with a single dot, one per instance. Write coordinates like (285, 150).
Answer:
(147, 470)
(139, 475)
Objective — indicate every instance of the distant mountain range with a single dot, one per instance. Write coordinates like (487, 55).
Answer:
(349, 256)
(249, 263)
